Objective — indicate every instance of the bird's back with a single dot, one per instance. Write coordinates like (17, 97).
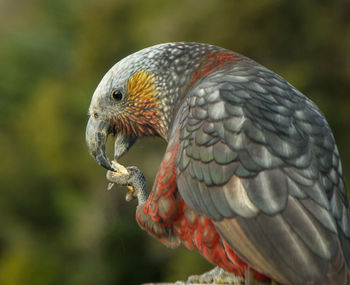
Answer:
(285, 160)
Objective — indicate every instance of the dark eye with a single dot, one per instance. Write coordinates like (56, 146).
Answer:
(117, 95)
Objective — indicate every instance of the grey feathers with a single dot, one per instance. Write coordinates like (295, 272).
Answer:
(258, 157)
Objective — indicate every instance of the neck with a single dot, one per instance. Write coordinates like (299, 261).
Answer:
(184, 76)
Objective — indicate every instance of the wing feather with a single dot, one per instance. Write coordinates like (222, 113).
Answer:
(258, 158)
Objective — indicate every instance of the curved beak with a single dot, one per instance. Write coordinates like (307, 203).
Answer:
(96, 135)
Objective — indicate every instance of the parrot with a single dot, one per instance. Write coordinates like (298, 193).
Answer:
(251, 176)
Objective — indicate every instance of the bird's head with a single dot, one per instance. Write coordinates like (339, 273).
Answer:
(139, 95)
(126, 103)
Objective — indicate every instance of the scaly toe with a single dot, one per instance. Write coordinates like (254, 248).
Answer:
(216, 276)
(193, 279)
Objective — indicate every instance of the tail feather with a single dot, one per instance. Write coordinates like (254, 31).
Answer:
(338, 268)
(345, 244)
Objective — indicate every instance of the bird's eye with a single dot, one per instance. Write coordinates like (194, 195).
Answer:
(117, 95)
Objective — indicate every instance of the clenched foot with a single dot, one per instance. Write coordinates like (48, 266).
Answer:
(216, 276)
(131, 177)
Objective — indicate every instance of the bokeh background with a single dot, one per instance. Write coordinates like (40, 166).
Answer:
(58, 224)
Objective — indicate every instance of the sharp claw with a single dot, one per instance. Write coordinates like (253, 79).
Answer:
(130, 177)
(110, 186)
(131, 188)
(129, 197)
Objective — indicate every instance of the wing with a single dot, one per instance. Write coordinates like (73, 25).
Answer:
(259, 159)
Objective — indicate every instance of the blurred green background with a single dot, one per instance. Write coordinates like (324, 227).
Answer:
(58, 224)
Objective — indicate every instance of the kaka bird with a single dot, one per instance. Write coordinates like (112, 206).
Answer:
(251, 176)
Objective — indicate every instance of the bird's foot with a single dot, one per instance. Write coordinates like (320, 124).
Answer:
(132, 178)
(216, 276)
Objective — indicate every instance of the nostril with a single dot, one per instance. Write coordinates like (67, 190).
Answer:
(95, 115)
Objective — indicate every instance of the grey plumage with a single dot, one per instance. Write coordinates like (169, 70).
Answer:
(271, 171)
(247, 153)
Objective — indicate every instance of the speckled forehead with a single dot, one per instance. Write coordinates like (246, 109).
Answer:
(119, 74)
(152, 58)
(122, 70)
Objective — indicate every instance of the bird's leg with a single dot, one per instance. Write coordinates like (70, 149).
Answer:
(133, 178)
(130, 177)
